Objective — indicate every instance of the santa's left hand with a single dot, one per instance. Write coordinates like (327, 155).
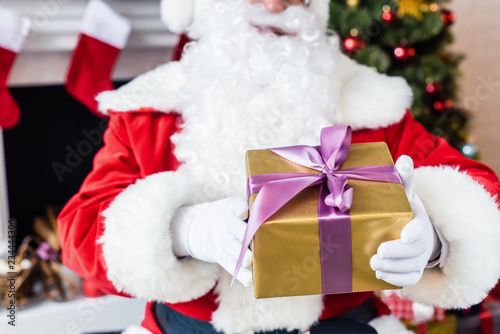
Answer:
(402, 262)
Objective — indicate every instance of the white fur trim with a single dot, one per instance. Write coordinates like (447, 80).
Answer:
(368, 99)
(100, 21)
(388, 324)
(240, 312)
(156, 89)
(137, 246)
(177, 14)
(15, 28)
(136, 330)
(469, 219)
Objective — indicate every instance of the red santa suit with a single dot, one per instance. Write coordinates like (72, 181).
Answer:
(116, 231)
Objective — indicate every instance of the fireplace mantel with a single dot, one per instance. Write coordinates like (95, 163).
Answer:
(56, 23)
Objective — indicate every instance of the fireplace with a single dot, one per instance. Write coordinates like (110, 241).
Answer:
(49, 153)
(46, 157)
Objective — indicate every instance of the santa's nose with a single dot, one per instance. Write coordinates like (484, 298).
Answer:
(273, 6)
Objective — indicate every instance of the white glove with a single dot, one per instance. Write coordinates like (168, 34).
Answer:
(402, 262)
(213, 232)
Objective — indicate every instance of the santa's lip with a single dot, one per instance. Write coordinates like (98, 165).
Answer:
(274, 30)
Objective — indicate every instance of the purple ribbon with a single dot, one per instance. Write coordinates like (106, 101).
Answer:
(275, 190)
(46, 252)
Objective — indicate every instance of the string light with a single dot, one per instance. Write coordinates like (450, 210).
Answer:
(399, 52)
(352, 3)
(350, 44)
(403, 53)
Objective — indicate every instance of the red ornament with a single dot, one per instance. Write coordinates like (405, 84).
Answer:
(404, 53)
(388, 16)
(448, 17)
(432, 88)
(352, 44)
(439, 106)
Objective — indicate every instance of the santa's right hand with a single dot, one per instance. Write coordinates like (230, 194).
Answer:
(213, 232)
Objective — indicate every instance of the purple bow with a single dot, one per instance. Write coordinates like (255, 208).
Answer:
(46, 252)
(275, 190)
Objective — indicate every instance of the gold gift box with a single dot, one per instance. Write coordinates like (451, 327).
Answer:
(286, 247)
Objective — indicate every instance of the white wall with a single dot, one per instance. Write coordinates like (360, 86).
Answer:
(477, 35)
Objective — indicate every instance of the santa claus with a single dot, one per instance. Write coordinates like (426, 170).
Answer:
(161, 216)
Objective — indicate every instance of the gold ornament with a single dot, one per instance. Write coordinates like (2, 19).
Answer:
(410, 7)
(352, 3)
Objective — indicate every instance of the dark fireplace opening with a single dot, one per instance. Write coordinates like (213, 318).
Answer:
(49, 153)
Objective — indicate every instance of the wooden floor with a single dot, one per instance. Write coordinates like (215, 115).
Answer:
(477, 34)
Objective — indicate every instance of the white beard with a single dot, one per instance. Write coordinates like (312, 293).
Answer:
(248, 90)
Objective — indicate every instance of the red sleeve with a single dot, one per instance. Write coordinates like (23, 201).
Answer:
(408, 137)
(461, 198)
(125, 157)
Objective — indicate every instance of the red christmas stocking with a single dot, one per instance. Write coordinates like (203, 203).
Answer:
(13, 32)
(103, 35)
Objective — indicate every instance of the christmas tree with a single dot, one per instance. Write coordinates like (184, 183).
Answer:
(408, 38)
